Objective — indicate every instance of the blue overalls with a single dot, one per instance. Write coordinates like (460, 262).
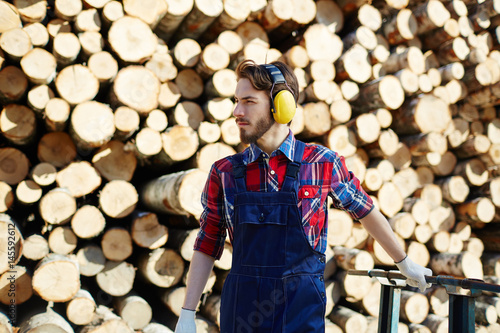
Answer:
(276, 280)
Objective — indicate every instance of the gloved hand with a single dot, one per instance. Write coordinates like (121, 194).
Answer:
(414, 273)
(186, 324)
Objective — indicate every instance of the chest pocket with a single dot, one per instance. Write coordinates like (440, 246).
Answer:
(264, 234)
(311, 202)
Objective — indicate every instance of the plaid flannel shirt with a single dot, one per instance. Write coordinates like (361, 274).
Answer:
(322, 173)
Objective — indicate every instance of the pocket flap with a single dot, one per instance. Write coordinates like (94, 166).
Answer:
(309, 191)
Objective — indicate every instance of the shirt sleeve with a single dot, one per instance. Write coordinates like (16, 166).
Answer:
(212, 234)
(347, 192)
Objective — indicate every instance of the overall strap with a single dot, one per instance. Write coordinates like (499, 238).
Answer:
(239, 171)
(293, 168)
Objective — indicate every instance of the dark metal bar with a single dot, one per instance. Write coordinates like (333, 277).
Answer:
(390, 297)
(440, 280)
(462, 317)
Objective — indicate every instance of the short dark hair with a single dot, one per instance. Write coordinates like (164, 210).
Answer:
(261, 79)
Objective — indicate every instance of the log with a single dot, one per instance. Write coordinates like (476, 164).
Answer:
(151, 12)
(103, 66)
(221, 84)
(455, 50)
(15, 43)
(401, 159)
(131, 39)
(15, 286)
(411, 58)
(163, 66)
(148, 143)
(135, 310)
(386, 145)
(57, 206)
(438, 301)
(353, 288)
(118, 198)
(156, 328)
(49, 320)
(79, 178)
(321, 43)
(439, 242)
(114, 162)
(418, 252)
(403, 224)
(81, 309)
(458, 264)
(176, 12)
(172, 298)
(485, 313)
(436, 37)
(341, 227)
(11, 16)
(442, 218)
(38, 97)
(77, 84)
(473, 171)
(209, 133)
(348, 320)
(136, 87)
(379, 255)
(56, 278)
(436, 323)
(27, 193)
(56, 148)
(401, 28)
(35, 247)
(211, 153)
(352, 258)
(62, 240)
(147, 232)
(13, 84)
(106, 321)
(406, 181)
(66, 48)
(116, 278)
(390, 199)
(203, 14)
(116, 244)
(476, 210)
(211, 309)
(18, 124)
(156, 120)
(414, 307)
(190, 84)
(92, 42)
(88, 222)
(162, 267)
(90, 259)
(233, 14)
(385, 92)
(187, 113)
(126, 121)
(366, 128)
(474, 245)
(187, 53)
(57, 112)
(423, 114)
(418, 208)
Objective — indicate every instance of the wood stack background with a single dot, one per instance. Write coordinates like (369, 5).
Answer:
(113, 112)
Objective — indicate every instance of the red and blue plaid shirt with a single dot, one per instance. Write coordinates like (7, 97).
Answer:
(322, 173)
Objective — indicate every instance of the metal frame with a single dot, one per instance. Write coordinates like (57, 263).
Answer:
(461, 293)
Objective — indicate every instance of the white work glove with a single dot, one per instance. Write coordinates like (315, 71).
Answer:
(415, 273)
(186, 324)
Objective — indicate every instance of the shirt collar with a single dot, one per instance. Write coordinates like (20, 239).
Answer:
(287, 148)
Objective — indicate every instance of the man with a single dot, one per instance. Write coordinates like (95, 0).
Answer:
(272, 201)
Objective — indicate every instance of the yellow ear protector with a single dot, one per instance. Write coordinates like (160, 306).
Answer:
(283, 104)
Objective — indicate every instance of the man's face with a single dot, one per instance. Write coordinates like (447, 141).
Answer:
(252, 111)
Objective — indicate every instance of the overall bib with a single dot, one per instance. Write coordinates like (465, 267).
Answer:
(276, 280)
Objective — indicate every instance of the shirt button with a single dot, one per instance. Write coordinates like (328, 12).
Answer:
(261, 217)
(306, 193)
(272, 172)
(321, 278)
(322, 259)
(323, 295)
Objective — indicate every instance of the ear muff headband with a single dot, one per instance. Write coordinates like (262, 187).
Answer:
(283, 104)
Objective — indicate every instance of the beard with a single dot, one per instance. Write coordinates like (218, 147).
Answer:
(261, 127)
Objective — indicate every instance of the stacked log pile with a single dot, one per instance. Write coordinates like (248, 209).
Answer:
(112, 113)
